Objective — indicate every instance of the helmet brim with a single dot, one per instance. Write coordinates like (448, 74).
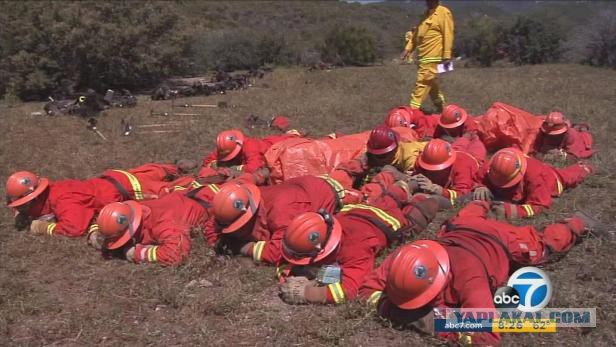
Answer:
(332, 244)
(43, 184)
(379, 151)
(455, 124)
(135, 222)
(555, 131)
(234, 153)
(406, 303)
(255, 194)
(437, 167)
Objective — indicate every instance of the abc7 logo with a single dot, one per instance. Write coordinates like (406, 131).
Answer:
(529, 290)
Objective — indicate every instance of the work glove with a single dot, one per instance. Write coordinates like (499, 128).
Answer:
(427, 186)
(96, 240)
(504, 210)
(293, 290)
(261, 176)
(482, 193)
(130, 254)
(39, 227)
(229, 172)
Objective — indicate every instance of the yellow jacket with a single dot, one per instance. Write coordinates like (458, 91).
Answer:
(407, 154)
(433, 37)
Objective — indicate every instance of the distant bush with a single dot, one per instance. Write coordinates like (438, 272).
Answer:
(240, 49)
(600, 41)
(530, 41)
(481, 40)
(88, 44)
(349, 46)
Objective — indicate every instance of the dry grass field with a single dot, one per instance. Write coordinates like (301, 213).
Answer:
(59, 292)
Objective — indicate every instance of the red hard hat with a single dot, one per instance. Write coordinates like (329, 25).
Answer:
(229, 144)
(23, 187)
(555, 124)
(452, 117)
(437, 155)
(382, 140)
(417, 274)
(118, 222)
(235, 204)
(399, 117)
(311, 237)
(507, 167)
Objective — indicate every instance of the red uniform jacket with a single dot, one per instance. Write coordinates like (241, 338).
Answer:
(149, 181)
(574, 142)
(456, 181)
(426, 126)
(164, 234)
(470, 256)
(250, 159)
(362, 241)
(532, 195)
(469, 126)
(74, 204)
(279, 205)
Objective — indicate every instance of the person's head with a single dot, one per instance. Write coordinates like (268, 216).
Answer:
(507, 167)
(431, 4)
(382, 145)
(118, 222)
(452, 120)
(229, 144)
(437, 156)
(555, 124)
(418, 273)
(311, 237)
(22, 188)
(235, 205)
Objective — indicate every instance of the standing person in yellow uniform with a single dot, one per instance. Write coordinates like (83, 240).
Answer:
(433, 39)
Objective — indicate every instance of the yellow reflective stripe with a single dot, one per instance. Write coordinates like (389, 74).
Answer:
(293, 132)
(179, 188)
(214, 188)
(529, 210)
(196, 184)
(416, 104)
(373, 299)
(134, 182)
(453, 196)
(280, 270)
(151, 254)
(240, 167)
(257, 250)
(335, 184)
(559, 185)
(337, 293)
(93, 228)
(430, 59)
(50, 228)
(386, 217)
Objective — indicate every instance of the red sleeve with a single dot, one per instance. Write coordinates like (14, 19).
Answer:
(171, 248)
(481, 176)
(269, 252)
(210, 159)
(462, 181)
(73, 217)
(253, 155)
(209, 232)
(474, 209)
(375, 281)
(470, 125)
(538, 195)
(355, 261)
(354, 167)
(578, 144)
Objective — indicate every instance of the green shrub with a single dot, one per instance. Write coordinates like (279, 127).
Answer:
(349, 46)
(481, 40)
(600, 41)
(89, 43)
(530, 41)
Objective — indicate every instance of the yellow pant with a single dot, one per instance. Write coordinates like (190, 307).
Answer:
(426, 84)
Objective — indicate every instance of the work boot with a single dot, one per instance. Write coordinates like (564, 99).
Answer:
(186, 165)
(596, 227)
